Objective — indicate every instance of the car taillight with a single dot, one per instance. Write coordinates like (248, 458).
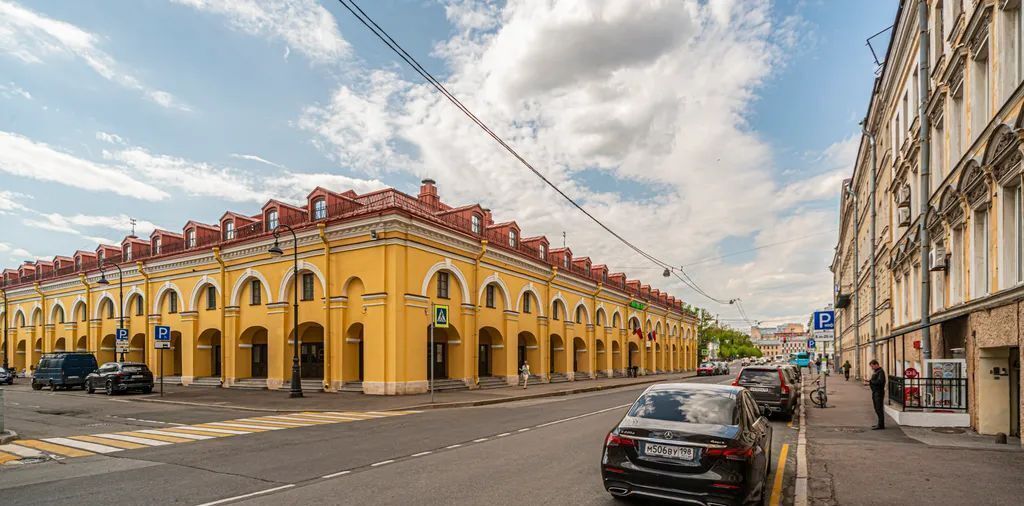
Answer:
(782, 381)
(617, 440)
(736, 382)
(731, 453)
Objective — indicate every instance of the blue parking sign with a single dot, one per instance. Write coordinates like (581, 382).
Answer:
(162, 337)
(824, 320)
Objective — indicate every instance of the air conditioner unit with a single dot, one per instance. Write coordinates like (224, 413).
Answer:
(937, 259)
(903, 216)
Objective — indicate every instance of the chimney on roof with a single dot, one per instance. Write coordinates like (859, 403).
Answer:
(488, 219)
(428, 193)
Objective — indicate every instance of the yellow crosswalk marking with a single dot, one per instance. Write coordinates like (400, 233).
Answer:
(110, 442)
(191, 430)
(7, 457)
(158, 437)
(54, 448)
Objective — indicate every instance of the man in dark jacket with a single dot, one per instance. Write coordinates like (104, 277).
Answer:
(877, 383)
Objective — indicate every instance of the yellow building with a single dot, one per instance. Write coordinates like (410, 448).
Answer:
(370, 268)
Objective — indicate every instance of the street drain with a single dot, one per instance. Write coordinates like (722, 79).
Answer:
(948, 430)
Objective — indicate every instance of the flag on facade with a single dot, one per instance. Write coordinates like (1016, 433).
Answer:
(639, 333)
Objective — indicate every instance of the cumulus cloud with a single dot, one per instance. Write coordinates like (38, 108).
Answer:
(654, 92)
(303, 25)
(81, 224)
(32, 38)
(24, 157)
(11, 90)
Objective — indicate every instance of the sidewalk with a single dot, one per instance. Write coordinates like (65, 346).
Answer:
(264, 400)
(850, 464)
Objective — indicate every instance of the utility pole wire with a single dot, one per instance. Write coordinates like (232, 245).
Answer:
(381, 34)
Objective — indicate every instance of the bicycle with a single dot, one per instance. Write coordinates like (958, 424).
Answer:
(818, 396)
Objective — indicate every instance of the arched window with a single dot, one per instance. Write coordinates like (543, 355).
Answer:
(475, 220)
(229, 230)
(526, 303)
(138, 305)
(512, 239)
(271, 219)
(60, 314)
(255, 293)
(490, 295)
(110, 309)
(172, 302)
(319, 209)
(190, 238)
(579, 314)
(83, 315)
(211, 297)
(442, 285)
(554, 310)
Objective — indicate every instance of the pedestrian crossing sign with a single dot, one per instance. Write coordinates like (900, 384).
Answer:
(441, 316)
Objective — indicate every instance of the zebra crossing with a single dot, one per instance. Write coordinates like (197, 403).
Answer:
(34, 450)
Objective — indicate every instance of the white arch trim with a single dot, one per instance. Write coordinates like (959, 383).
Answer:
(53, 311)
(614, 314)
(290, 271)
(37, 310)
(565, 304)
(250, 274)
(446, 265)
(493, 278)
(536, 296)
(99, 305)
(128, 299)
(586, 312)
(198, 290)
(14, 319)
(79, 301)
(167, 286)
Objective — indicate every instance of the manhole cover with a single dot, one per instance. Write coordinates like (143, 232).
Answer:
(852, 430)
(948, 430)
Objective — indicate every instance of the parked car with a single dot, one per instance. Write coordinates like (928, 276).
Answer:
(692, 443)
(771, 387)
(794, 370)
(7, 376)
(707, 369)
(725, 367)
(744, 363)
(114, 377)
(63, 370)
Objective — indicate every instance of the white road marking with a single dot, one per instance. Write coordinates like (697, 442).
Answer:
(523, 430)
(232, 425)
(335, 475)
(133, 439)
(211, 429)
(253, 494)
(21, 451)
(420, 454)
(331, 418)
(481, 440)
(452, 447)
(196, 437)
(83, 445)
(381, 463)
(503, 434)
(583, 415)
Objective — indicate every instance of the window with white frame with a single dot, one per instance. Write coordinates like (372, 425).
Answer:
(1012, 252)
(980, 100)
(272, 219)
(513, 239)
(979, 254)
(937, 283)
(190, 238)
(229, 230)
(476, 223)
(156, 245)
(543, 252)
(956, 266)
(128, 253)
(319, 209)
(957, 129)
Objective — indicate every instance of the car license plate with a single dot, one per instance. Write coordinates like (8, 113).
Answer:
(759, 389)
(668, 451)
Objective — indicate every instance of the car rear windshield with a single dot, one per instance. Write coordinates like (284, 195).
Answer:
(689, 407)
(762, 376)
(134, 368)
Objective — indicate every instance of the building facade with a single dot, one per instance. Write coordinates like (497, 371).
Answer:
(975, 260)
(370, 269)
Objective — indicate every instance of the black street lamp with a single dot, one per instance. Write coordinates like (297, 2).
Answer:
(3, 289)
(275, 251)
(120, 298)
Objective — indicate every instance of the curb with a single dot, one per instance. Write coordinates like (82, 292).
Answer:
(439, 405)
(7, 436)
(800, 492)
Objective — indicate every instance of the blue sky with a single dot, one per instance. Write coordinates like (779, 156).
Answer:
(726, 124)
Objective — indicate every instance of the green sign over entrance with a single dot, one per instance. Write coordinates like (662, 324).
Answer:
(635, 304)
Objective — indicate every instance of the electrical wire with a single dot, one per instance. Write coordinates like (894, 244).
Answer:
(386, 38)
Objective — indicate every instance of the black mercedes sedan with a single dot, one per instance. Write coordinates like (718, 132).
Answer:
(690, 443)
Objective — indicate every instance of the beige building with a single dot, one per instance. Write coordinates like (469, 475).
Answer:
(975, 263)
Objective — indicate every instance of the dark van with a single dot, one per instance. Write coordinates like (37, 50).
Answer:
(63, 370)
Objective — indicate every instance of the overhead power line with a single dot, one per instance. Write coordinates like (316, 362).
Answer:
(389, 41)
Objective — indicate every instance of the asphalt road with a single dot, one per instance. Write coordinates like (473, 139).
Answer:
(543, 451)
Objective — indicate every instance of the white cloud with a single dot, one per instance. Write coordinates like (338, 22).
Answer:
(304, 25)
(11, 90)
(79, 224)
(15, 254)
(9, 201)
(295, 186)
(667, 109)
(109, 138)
(21, 156)
(33, 38)
(255, 158)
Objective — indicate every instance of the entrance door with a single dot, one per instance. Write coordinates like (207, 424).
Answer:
(484, 355)
(216, 360)
(1015, 391)
(311, 360)
(438, 360)
(360, 360)
(259, 361)
(522, 355)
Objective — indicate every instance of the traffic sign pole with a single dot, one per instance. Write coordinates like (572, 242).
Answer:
(432, 359)
(161, 372)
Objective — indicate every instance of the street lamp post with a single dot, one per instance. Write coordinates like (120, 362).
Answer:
(275, 250)
(120, 298)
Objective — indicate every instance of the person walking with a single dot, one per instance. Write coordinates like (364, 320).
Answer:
(846, 370)
(817, 364)
(877, 383)
(524, 371)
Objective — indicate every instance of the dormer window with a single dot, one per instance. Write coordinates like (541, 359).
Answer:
(543, 252)
(128, 253)
(476, 223)
(99, 256)
(156, 245)
(512, 238)
(272, 219)
(565, 261)
(319, 209)
(229, 230)
(78, 264)
(190, 238)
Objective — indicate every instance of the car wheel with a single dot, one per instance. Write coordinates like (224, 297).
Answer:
(37, 386)
(89, 388)
(109, 388)
(53, 387)
(147, 390)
